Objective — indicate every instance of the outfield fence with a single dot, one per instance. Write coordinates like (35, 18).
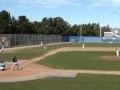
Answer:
(15, 40)
(91, 39)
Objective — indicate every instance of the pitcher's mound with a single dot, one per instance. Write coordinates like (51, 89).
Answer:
(116, 58)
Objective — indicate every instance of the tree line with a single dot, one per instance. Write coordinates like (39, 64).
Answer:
(48, 26)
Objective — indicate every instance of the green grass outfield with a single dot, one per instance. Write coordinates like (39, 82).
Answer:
(86, 60)
(81, 82)
(95, 44)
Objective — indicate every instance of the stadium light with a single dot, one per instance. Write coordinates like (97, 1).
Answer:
(100, 31)
(80, 32)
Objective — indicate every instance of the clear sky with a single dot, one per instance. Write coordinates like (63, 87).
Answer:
(105, 12)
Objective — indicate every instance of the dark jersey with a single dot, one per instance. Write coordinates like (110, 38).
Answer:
(14, 59)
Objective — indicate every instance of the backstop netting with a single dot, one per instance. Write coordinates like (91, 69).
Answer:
(15, 40)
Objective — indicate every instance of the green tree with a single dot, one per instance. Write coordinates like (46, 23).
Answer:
(24, 26)
(105, 29)
(5, 20)
(48, 26)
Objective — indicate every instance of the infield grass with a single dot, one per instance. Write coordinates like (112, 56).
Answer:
(81, 60)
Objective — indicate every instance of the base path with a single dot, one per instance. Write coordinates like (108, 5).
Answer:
(32, 71)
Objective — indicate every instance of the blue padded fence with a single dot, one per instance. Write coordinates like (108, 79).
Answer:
(89, 39)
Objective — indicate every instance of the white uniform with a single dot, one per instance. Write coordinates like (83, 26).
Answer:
(45, 47)
(1, 68)
(83, 46)
(15, 64)
(117, 51)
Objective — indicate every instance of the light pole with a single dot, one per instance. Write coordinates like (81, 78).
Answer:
(100, 31)
(80, 32)
(101, 18)
(81, 39)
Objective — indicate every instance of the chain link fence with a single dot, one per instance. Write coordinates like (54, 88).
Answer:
(16, 40)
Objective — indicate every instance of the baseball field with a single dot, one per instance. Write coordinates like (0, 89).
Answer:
(63, 66)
